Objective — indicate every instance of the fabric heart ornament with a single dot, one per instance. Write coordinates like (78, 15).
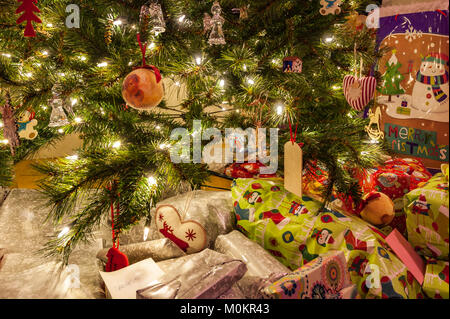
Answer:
(189, 235)
(359, 91)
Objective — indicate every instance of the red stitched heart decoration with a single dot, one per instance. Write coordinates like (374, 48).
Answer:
(189, 235)
(359, 92)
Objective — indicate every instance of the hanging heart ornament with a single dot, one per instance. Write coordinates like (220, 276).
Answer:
(189, 235)
(359, 91)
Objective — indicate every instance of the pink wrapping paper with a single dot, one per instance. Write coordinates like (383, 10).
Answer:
(325, 277)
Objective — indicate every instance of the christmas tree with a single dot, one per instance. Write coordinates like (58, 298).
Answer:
(392, 77)
(229, 62)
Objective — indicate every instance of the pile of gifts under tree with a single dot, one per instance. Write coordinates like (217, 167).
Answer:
(260, 241)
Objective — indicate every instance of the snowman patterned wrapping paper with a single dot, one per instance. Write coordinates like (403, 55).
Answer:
(413, 94)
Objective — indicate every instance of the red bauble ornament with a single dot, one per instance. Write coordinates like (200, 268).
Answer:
(142, 89)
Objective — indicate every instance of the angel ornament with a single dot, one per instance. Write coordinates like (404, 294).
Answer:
(214, 24)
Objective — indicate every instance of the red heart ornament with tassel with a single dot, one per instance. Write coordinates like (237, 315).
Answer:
(116, 260)
(359, 91)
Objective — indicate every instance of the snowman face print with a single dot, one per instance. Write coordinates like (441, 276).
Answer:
(322, 238)
(253, 198)
(432, 68)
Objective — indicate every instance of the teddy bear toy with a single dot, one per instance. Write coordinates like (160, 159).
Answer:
(377, 209)
(26, 124)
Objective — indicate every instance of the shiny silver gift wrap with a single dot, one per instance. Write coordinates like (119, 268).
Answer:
(158, 250)
(212, 210)
(26, 274)
(259, 262)
(204, 275)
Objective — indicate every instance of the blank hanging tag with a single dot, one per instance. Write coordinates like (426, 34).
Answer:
(293, 168)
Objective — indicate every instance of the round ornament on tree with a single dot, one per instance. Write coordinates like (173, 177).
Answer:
(142, 89)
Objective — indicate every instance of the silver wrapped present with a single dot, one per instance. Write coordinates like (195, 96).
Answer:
(158, 250)
(26, 274)
(259, 262)
(204, 275)
(193, 220)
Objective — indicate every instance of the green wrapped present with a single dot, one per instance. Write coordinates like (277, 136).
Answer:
(295, 231)
(435, 284)
(427, 217)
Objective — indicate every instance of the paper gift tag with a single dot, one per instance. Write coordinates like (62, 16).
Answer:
(123, 283)
(293, 168)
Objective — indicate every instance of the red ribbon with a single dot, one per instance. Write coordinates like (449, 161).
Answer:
(293, 137)
(145, 65)
(114, 240)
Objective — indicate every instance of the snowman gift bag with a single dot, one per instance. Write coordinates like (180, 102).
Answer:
(413, 95)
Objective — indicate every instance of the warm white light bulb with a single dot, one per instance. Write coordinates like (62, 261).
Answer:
(151, 46)
(250, 81)
(82, 58)
(5, 141)
(64, 231)
(177, 83)
(116, 144)
(6, 55)
(117, 22)
(45, 52)
(60, 131)
(328, 39)
(72, 157)
(244, 67)
(279, 109)
(103, 64)
(198, 60)
(1, 124)
(181, 19)
(29, 74)
(74, 101)
(222, 83)
(50, 25)
(151, 181)
(78, 120)
(158, 127)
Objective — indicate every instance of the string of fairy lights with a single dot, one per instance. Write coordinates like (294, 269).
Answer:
(197, 61)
